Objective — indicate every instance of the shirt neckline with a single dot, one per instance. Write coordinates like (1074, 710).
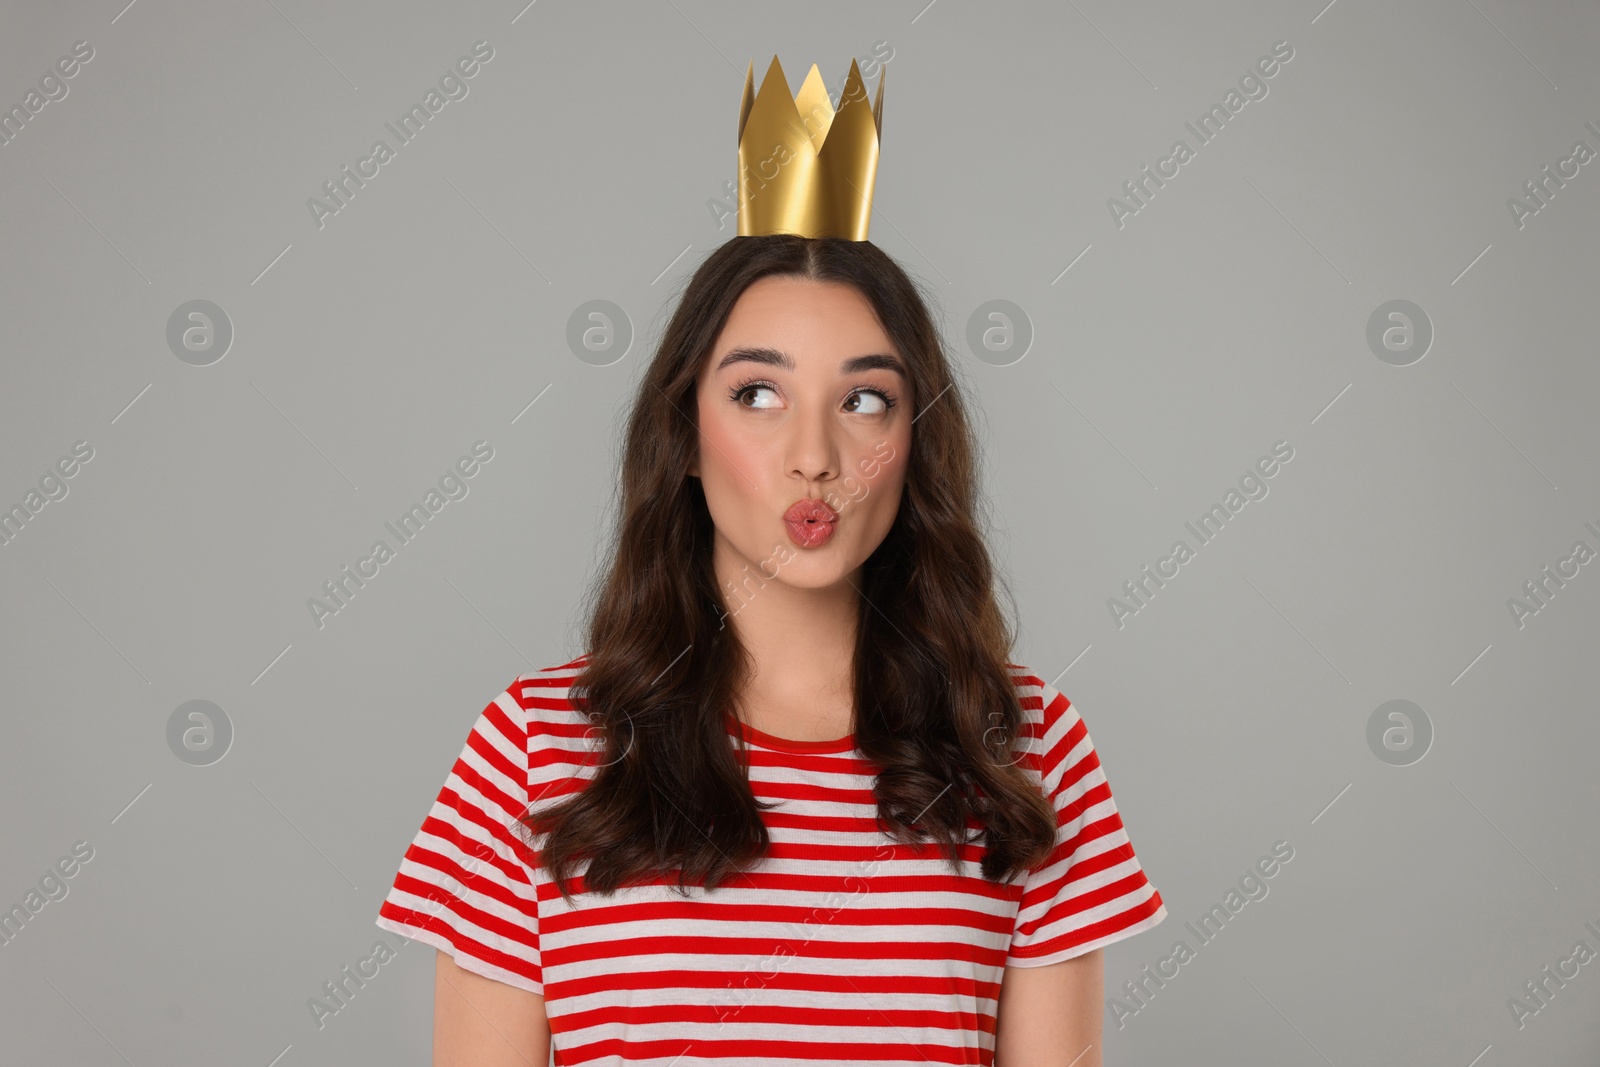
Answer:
(785, 744)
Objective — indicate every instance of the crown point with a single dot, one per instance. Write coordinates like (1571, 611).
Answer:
(814, 108)
(748, 100)
(877, 103)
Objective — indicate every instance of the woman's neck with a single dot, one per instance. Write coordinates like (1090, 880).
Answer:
(801, 643)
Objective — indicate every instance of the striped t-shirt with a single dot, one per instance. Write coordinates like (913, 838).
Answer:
(839, 946)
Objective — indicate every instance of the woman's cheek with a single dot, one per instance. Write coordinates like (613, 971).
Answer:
(726, 452)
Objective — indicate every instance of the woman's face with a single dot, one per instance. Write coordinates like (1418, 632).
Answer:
(800, 400)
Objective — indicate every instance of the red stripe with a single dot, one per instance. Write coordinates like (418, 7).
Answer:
(805, 921)
(748, 1051)
(736, 1007)
(713, 978)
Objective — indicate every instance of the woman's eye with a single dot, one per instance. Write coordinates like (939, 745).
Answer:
(745, 394)
(867, 402)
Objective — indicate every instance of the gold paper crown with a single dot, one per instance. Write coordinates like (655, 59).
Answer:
(803, 168)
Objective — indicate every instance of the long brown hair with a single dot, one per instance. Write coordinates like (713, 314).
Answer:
(936, 709)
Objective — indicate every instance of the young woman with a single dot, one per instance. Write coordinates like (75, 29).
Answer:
(793, 803)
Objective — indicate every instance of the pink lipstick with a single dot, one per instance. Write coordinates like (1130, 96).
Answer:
(810, 522)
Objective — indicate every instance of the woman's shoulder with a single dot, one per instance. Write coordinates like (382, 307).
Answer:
(1036, 694)
(547, 688)
(537, 712)
(1047, 714)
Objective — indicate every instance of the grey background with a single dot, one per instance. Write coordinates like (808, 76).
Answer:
(1228, 314)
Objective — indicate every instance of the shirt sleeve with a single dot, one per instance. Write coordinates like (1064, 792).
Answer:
(466, 884)
(1091, 889)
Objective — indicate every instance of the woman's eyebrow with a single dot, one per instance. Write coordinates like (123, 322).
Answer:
(772, 357)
